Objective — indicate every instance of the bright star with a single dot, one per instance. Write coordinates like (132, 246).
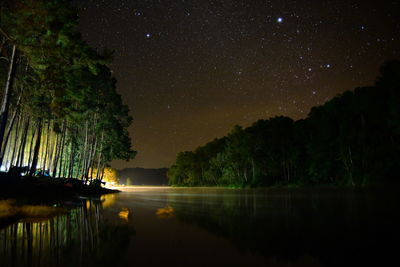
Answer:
(279, 20)
(148, 35)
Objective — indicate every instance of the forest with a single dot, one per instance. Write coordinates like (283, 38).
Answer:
(61, 115)
(351, 140)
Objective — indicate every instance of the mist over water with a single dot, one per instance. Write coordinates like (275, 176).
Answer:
(211, 227)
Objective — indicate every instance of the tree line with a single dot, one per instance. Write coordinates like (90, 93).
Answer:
(61, 114)
(353, 139)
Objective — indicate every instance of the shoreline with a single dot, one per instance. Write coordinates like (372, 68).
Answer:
(47, 188)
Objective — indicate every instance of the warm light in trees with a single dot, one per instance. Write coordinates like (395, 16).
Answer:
(110, 175)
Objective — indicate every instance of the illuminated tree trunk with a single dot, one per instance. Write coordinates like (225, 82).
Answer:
(47, 146)
(55, 156)
(58, 152)
(36, 150)
(62, 151)
(66, 157)
(53, 152)
(93, 147)
(7, 94)
(41, 157)
(31, 146)
(93, 154)
(84, 152)
(100, 154)
(21, 153)
(73, 157)
(9, 130)
(66, 163)
(15, 145)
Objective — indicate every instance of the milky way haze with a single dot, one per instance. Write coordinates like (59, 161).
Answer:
(191, 70)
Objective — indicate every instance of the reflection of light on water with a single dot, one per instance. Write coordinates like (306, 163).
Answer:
(7, 208)
(42, 233)
(124, 214)
(166, 212)
(107, 200)
(30, 213)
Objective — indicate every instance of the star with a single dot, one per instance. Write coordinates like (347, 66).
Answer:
(184, 59)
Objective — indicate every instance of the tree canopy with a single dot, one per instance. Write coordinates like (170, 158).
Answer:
(353, 139)
(61, 113)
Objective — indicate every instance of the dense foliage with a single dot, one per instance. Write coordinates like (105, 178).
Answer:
(61, 114)
(353, 139)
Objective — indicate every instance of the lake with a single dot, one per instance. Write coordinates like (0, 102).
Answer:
(212, 227)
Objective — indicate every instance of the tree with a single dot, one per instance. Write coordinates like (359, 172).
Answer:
(57, 84)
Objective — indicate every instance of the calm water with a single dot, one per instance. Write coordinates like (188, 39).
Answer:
(212, 227)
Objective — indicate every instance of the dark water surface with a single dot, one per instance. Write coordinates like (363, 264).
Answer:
(213, 227)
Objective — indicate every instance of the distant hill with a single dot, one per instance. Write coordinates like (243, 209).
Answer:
(141, 176)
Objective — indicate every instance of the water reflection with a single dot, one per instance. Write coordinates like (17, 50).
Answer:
(79, 238)
(299, 227)
(107, 200)
(216, 227)
(124, 214)
(165, 212)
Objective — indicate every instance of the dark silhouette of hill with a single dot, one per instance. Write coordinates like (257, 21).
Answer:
(141, 176)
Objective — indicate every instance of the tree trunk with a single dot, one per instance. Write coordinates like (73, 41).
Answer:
(92, 158)
(62, 151)
(47, 147)
(21, 153)
(102, 172)
(36, 150)
(15, 141)
(73, 157)
(10, 128)
(76, 171)
(55, 156)
(31, 146)
(7, 94)
(53, 149)
(66, 158)
(58, 151)
(100, 153)
(84, 152)
(41, 158)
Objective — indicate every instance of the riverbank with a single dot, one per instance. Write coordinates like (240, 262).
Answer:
(15, 186)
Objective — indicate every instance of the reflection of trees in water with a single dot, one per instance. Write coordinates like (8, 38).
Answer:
(332, 227)
(79, 238)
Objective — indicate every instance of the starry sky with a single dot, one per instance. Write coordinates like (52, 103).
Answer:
(192, 69)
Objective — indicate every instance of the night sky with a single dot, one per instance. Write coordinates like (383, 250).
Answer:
(191, 70)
